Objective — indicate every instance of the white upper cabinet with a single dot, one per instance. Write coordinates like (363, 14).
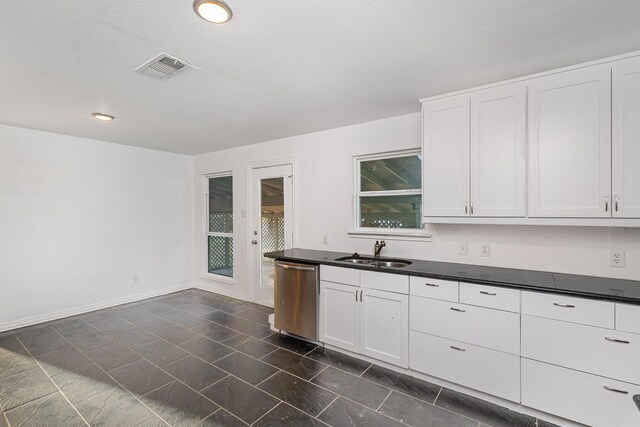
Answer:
(570, 144)
(626, 139)
(446, 157)
(498, 157)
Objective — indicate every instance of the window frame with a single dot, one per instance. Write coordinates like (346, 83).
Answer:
(206, 233)
(398, 233)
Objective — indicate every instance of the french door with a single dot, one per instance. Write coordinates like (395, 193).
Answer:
(271, 225)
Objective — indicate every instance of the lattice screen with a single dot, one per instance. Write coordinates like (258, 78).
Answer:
(220, 248)
(272, 234)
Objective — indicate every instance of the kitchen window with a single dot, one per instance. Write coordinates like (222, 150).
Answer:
(388, 192)
(219, 212)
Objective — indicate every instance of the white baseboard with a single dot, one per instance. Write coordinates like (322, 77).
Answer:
(91, 307)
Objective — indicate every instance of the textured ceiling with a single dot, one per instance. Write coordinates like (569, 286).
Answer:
(279, 68)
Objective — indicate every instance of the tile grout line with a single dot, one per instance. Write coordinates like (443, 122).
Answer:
(117, 382)
(332, 402)
(382, 403)
(266, 413)
(321, 371)
(6, 420)
(269, 377)
(53, 382)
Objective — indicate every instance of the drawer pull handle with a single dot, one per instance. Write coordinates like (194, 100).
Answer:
(617, 340)
(487, 293)
(606, 387)
(458, 348)
(433, 285)
(564, 305)
(458, 309)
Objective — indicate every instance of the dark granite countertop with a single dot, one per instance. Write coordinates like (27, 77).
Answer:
(603, 288)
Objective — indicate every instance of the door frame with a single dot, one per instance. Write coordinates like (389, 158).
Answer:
(251, 166)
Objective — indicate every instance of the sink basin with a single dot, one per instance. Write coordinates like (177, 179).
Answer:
(392, 263)
(389, 263)
(356, 260)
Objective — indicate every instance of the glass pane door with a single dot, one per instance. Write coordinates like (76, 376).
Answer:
(272, 224)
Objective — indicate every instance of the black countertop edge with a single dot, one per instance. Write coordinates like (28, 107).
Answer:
(600, 288)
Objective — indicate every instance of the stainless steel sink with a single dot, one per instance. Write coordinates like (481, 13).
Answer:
(393, 263)
(389, 263)
(356, 260)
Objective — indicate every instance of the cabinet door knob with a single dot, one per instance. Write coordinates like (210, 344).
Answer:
(472, 207)
(466, 208)
(617, 340)
(564, 305)
(457, 309)
(487, 293)
(458, 348)
(433, 285)
(617, 390)
(606, 203)
(615, 200)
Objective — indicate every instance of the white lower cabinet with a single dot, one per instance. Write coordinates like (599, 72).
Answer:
(578, 396)
(484, 327)
(384, 327)
(475, 367)
(366, 321)
(340, 315)
(599, 351)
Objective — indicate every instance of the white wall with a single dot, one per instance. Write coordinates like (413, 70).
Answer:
(325, 180)
(79, 218)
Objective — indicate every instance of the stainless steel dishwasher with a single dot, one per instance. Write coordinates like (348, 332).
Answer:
(296, 299)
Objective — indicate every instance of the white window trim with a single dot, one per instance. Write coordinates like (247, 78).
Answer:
(204, 269)
(389, 233)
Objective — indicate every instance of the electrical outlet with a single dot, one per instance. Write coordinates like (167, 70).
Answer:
(325, 239)
(485, 249)
(463, 248)
(617, 258)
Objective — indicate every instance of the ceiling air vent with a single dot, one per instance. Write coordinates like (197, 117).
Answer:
(163, 66)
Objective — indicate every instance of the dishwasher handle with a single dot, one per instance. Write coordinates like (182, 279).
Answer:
(295, 267)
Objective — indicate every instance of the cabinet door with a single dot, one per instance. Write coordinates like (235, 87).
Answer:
(498, 152)
(626, 138)
(446, 156)
(340, 315)
(570, 144)
(384, 326)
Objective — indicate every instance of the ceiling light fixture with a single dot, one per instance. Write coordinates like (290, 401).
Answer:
(103, 117)
(215, 11)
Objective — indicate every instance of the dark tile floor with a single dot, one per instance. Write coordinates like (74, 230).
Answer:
(197, 358)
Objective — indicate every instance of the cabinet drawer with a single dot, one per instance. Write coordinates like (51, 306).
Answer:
(484, 327)
(599, 351)
(347, 276)
(385, 281)
(475, 367)
(578, 396)
(434, 288)
(490, 296)
(628, 318)
(569, 309)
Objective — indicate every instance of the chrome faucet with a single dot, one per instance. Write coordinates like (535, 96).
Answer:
(378, 247)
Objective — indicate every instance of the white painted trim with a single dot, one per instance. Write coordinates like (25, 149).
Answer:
(391, 234)
(203, 267)
(535, 76)
(251, 166)
(7, 326)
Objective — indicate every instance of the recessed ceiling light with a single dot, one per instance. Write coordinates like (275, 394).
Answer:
(103, 117)
(215, 11)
